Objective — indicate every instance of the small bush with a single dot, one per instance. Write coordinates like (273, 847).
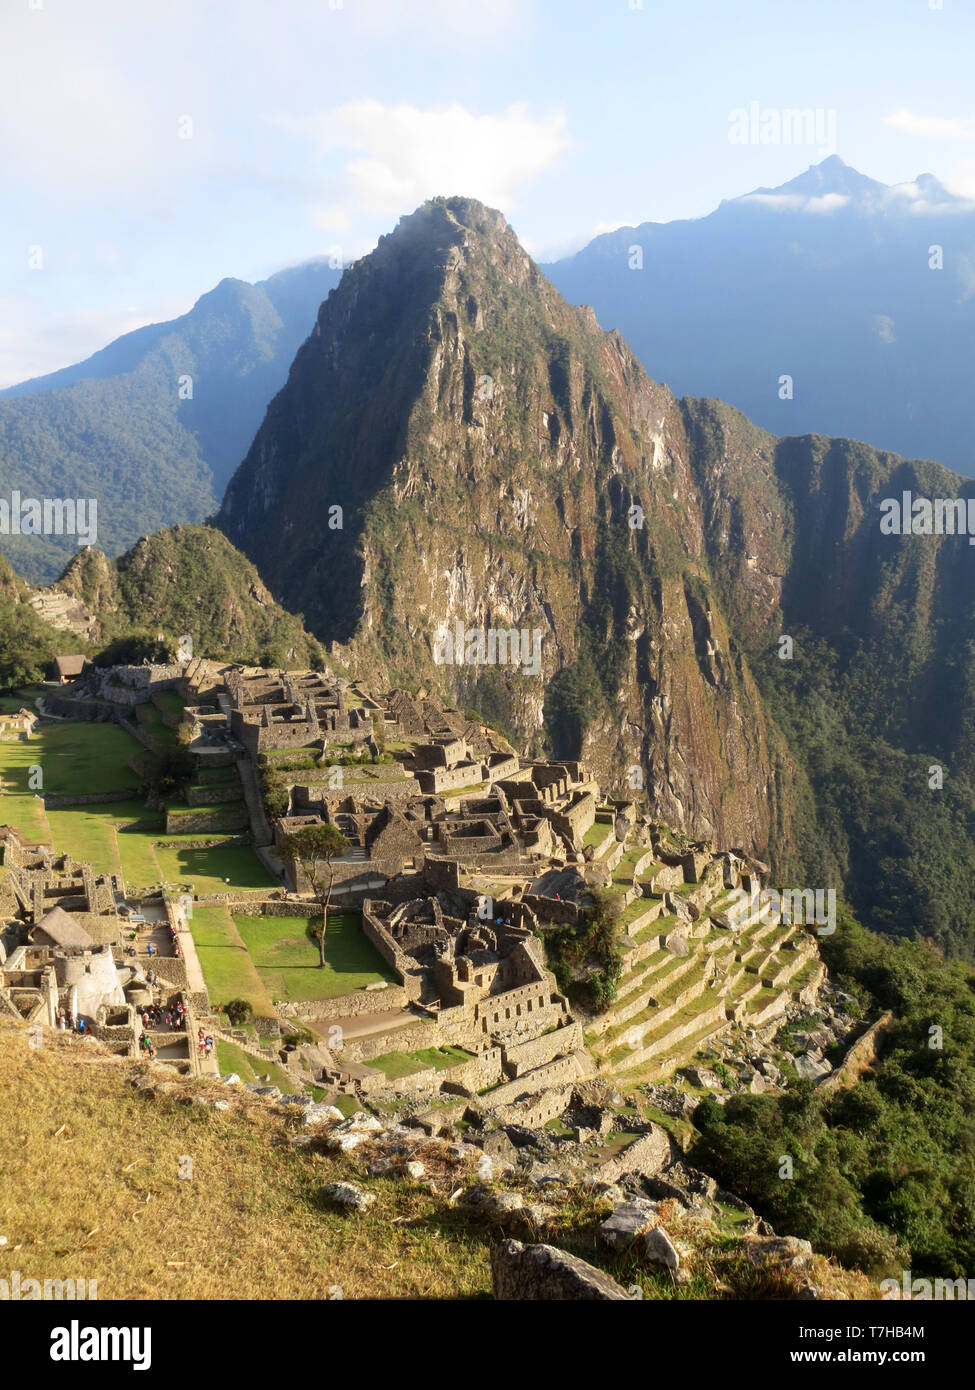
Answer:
(239, 1011)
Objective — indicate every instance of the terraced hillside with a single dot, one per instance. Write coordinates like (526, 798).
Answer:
(693, 969)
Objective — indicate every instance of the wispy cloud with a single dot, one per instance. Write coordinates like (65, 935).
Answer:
(798, 202)
(402, 155)
(931, 127)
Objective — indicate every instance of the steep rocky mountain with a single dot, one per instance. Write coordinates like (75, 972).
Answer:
(123, 428)
(828, 279)
(485, 442)
(456, 443)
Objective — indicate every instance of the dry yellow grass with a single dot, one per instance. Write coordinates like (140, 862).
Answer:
(91, 1189)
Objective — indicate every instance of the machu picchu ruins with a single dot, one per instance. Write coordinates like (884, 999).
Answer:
(466, 866)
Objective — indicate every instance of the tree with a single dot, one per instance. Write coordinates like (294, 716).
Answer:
(238, 1011)
(310, 849)
(174, 770)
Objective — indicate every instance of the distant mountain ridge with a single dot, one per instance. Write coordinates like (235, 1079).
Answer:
(825, 279)
(153, 425)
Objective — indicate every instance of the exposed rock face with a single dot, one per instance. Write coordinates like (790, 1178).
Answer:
(487, 443)
(543, 1272)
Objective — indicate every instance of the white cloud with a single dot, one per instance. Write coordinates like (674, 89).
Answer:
(601, 228)
(402, 155)
(961, 180)
(798, 202)
(931, 127)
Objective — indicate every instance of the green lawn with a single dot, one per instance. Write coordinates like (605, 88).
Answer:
(395, 1064)
(169, 703)
(97, 833)
(286, 958)
(24, 698)
(225, 961)
(75, 759)
(232, 1058)
(151, 721)
(116, 836)
(211, 776)
(209, 869)
(596, 834)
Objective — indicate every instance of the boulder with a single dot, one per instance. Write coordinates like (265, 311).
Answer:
(812, 1068)
(682, 1183)
(702, 1077)
(628, 1222)
(764, 1250)
(542, 1272)
(347, 1196)
(317, 1113)
(658, 1248)
(537, 1215)
(354, 1131)
(498, 1207)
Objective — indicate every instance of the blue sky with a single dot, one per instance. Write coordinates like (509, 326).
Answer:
(314, 124)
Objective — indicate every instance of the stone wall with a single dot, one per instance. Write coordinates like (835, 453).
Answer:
(364, 1001)
(536, 1110)
(473, 1076)
(524, 1056)
(187, 822)
(88, 798)
(441, 873)
(410, 1038)
(715, 1015)
(208, 795)
(449, 778)
(552, 909)
(172, 969)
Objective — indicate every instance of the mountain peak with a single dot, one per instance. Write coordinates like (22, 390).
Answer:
(450, 218)
(832, 177)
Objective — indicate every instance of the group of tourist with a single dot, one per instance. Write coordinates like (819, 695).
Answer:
(172, 1018)
(204, 1043)
(67, 1023)
(145, 1043)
